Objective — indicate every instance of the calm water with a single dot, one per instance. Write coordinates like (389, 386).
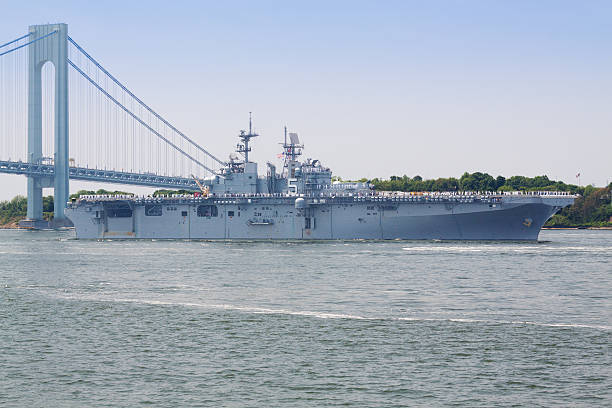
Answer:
(265, 324)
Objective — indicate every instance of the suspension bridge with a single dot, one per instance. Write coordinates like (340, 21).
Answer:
(64, 116)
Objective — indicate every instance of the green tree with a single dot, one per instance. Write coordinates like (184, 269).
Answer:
(477, 182)
(500, 181)
(13, 210)
(48, 204)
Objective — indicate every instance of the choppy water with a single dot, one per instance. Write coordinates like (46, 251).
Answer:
(361, 324)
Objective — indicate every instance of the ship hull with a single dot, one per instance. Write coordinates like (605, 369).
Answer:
(522, 222)
(513, 218)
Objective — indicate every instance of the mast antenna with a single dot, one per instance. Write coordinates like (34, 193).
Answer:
(245, 137)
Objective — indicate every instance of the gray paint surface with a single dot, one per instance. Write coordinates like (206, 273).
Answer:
(512, 218)
(302, 203)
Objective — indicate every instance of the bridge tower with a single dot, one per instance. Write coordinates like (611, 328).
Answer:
(53, 49)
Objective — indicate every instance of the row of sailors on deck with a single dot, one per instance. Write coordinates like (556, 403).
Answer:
(357, 194)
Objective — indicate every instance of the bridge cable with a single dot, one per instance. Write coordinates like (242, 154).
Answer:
(137, 118)
(14, 41)
(28, 43)
(143, 104)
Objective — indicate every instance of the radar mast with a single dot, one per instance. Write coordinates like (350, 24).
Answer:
(244, 148)
(291, 151)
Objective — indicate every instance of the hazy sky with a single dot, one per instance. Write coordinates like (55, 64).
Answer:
(374, 88)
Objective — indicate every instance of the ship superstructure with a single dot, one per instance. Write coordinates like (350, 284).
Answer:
(302, 202)
(241, 176)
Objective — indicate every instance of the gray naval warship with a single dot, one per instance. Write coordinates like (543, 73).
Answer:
(302, 202)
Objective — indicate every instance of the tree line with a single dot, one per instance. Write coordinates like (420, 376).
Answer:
(473, 182)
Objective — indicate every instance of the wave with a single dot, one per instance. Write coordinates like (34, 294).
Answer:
(505, 248)
(518, 322)
(329, 315)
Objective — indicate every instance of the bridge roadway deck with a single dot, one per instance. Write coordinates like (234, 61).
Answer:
(103, 176)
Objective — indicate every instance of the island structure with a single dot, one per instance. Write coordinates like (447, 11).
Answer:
(302, 202)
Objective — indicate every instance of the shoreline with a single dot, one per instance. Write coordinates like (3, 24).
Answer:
(577, 228)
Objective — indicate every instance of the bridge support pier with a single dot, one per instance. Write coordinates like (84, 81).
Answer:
(54, 49)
